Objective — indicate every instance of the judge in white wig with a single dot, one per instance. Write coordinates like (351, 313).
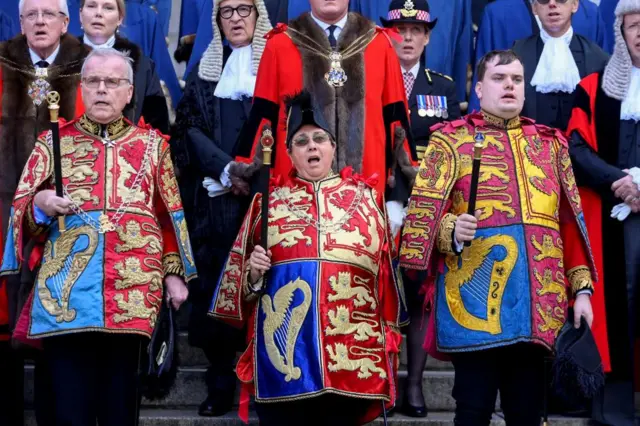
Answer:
(217, 101)
(605, 151)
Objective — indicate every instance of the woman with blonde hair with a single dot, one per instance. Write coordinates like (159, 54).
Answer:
(101, 20)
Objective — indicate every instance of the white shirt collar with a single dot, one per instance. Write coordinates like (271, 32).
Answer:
(414, 69)
(35, 58)
(109, 43)
(340, 24)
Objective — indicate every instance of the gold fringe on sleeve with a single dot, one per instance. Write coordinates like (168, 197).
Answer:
(172, 264)
(445, 234)
(580, 279)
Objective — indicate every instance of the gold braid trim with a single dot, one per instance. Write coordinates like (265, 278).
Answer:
(172, 264)
(580, 279)
(445, 234)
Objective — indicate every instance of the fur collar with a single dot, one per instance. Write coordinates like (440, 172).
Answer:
(22, 121)
(71, 55)
(343, 107)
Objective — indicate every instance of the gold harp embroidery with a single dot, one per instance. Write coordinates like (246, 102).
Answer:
(484, 275)
(283, 324)
(63, 267)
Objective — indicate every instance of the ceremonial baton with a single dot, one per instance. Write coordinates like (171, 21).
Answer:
(473, 190)
(267, 143)
(53, 99)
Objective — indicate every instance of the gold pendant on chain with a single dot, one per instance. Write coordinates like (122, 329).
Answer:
(336, 76)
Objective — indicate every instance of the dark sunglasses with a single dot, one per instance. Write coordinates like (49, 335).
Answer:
(548, 1)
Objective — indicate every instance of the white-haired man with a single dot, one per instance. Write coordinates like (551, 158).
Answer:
(102, 281)
(605, 136)
(42, 58)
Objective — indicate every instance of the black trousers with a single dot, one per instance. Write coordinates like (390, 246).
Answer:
(95, 377)
(325, 410)
(12, 388)
(517, 371)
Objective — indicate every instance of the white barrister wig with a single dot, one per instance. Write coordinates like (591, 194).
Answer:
(617, 73)
(211, 63)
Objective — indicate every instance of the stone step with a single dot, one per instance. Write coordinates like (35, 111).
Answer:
(183, 417)
(194, 357)
(190, 389)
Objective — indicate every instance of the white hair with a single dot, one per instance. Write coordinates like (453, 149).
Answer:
(62, 4)
(110, 52)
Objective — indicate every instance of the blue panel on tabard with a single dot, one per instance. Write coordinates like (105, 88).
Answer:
(273, 378)
(514, 311)
(9, 260)
(86, 294)
(184, 244)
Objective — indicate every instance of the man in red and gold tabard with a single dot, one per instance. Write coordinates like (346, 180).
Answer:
(99, 288)
(323, 323)
(352, 71)
(499, 307)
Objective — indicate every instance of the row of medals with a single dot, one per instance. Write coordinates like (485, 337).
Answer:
(433, 112)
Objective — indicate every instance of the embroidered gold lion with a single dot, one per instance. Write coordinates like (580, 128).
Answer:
(132, 275)
(549, 286)
(79, 147)
(229, 279)
(365, 366)
(490, 200)
(491, 167)
(132, 238)
(77, 172)
(224, 303)
(83, 194)
(134, 308)
(553, 318)
(340, 320)
(547, 249)
(286, 237)
(343, 290)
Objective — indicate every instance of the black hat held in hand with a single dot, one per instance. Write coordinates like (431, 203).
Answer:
(577, 368)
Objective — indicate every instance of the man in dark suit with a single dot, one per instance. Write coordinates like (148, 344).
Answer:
(554, 63)
(432, 99)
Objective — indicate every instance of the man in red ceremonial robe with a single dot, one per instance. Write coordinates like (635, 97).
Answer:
(352, 72)
(605, 135)
(42, 58)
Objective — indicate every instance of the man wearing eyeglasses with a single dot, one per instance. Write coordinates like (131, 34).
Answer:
(124, 253)
(41, 59)
(554, 62)
(604, 138)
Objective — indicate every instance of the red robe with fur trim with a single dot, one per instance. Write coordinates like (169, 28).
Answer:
(363, 113)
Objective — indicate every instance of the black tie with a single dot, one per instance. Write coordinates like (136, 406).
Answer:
(332, 38)
(42, 64)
